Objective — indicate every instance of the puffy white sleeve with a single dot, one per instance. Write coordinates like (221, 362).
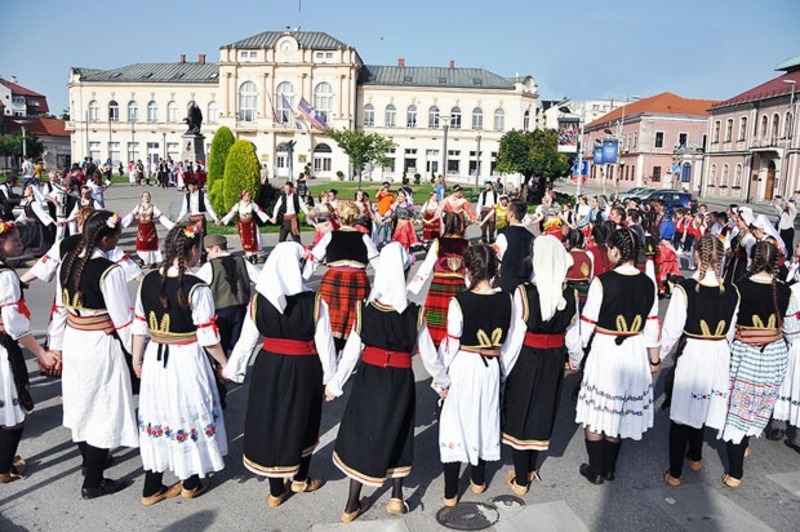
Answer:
(209, 208)
(118, 303)
(572, 338)
(674, 321)
(228, 217)
(509, 352)
(323, 340)
(252, 272)
(591, 310)
(205, 273)
(652, 326)
(130, 217)
(16, 317)
(46, 267)
(791, 322)
(317, 256)
(425, 269)
(236, 368)
(372, 252)
(140, 327)
(430, 358)
(166, 222)
(500, 245)
(449, 348)
(260, 213)
(58, 321)
(129, 267)
(204, 316)
(350, 355)
(41, 213)
(184, 210)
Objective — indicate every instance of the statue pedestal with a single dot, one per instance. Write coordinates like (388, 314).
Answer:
(192, 148)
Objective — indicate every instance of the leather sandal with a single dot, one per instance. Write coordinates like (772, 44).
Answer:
(477, 488)
(363, 506)
(196, 492)
(397, 506)
(694, 465)
(511, 480)
(672, 481)
(307, 486)
(731, 482)
(450, 503)
(172, 491)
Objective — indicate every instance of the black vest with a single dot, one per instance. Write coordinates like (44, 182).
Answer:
(533, 316)
(487, 318)
(91, 295)
(346, 246)
(201, 202)
(298, 321)
(517, 259)
(757, 307)
(387, 329)
(68, 244)
(295, 202)
(627, 300)
(178, 320)
(224, 293)
(708, 312)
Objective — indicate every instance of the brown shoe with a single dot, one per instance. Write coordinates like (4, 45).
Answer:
(307, 486)
(172, 491)
(511, 480)
(450, 502)
(20, 464)
(363, 506)
(731, 482)
(477, 489)
(274, 502)
(5, 478)
(747, 452)
(199, 490)
(672, 481)
(694, 466)
(397, 506)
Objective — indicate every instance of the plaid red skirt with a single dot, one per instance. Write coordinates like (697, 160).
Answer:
(431, 226)
(248, 234)
(405, 234)
(146, 237)
(342, 289)
(436, 304)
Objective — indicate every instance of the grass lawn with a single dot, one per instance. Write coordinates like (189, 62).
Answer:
(347, 189)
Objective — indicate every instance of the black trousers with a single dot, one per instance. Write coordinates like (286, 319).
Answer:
(230, 321)
(286, 232)
(787, 235)
(487, 231)
(681, 437)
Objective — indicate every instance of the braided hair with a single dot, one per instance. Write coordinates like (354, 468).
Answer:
(711, 251)
(178, 245)
(453, 224)
(98, 225)
(481, 263)
(574, 239)
(764, 257)
(627, 243)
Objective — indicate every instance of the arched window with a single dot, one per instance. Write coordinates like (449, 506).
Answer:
(433, 117)
(323, 100)
(284, 101)
(113, 111)
(213, 113)
(411, 116)
(499, 120)
(725, 174)
(712, 179)
(391, 114)
(369, 115)
(743, 128)
(526, 121)
(172, 112)
(282, 159)
(737, 175)
(477, 118)
(787, 124)
(248, 101)
(133, 111)
(776, 126)
(764, 126)
(729, 130)
(152, 112)
(94, 111)
(455, 118)
(716, 131)
(322, 158)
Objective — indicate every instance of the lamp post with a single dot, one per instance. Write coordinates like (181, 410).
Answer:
(445, 125)
(478, 165)
(568, 111)
(789, 127)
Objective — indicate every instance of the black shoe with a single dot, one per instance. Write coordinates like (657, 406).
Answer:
(106, 487)
(609, 476)
(587, 473)
(775, 434)
(109, 463)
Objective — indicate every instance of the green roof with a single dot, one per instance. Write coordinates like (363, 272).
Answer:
(469, 78)
(310, 40)
(790, 64)
(155, 73)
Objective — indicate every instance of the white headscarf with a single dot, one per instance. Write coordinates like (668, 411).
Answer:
(550, 264)
(763, 223)
(390, 277)
(282, 275)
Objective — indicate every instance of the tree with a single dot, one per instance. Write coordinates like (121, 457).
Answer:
(242, 172)
(220, 146)
(533, 154)
(362, 148)
(11, 145)
(65, 115)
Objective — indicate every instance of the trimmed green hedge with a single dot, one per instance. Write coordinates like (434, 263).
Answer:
(220, 147)
(242, 172)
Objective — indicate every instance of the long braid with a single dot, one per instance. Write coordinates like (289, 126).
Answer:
(169, 258)
(765, 256)
(624, 240)
(717, 256)
(86, 249)
(702, 247)
(177, 247)
(180, 251)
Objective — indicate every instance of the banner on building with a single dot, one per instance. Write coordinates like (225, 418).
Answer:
(598, 155)
(569, 130)
(610, 151)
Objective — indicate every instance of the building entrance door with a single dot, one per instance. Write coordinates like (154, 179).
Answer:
(770, 185)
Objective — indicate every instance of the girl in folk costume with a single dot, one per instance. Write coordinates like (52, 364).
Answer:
(597, 247)
(15, 330)
(478, 323)
(763, 230)
(758, 354)
(431, 224)
(787, 407)
(297, 358)
(404, 214)
(620, 331)
(738, 255)
(445, 259)
(347, 254)
(147, 245)
(91, 327)
(246, 210)
(581, 271)
(544, 329)
(323, 218)
(376, 437)
(364, 222)
(37, 237)
(180, 418)
(700, 321)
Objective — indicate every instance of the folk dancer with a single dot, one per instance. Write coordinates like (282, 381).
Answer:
(287, 210)
(147, 244)
(249, 236)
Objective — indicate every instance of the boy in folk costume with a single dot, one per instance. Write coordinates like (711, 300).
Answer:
(246, 211)
(197, 206)
(287, 209)
(514, 247)
(147, 245)
(487, 199)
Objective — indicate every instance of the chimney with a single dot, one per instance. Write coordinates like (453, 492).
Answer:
(13, 79)
(401, 62)
(452, 63)
(201, 59)
(183, 58)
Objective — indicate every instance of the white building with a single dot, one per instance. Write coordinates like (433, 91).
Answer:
(136, 111)
(549, 110)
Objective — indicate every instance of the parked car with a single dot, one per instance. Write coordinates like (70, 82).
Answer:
(674, 198)
(636, 192)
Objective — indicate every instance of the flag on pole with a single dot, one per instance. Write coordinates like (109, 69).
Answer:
(272, 108)
(310, 114)
(288, 109)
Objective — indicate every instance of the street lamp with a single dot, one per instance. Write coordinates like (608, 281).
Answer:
(790, 128)
(22, 124)
(478, 163)
(445, 125)
(579, 181)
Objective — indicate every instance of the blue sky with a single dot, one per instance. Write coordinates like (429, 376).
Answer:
(612, 48)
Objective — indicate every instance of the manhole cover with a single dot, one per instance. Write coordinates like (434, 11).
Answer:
(508, 502)
(468, 516)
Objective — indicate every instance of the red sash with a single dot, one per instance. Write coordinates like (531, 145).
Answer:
(544, 341)
(282, 346)
(382, 358)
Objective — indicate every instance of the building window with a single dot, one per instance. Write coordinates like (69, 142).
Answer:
(391, 114)
(389, 166)
(455, 118)
(477, 118)
(213, 113)
(635, 138)
(282, 156)
(369, 115)
(133, 151)
(153, 153)
(173, 150)
(499, 120)
(322, 158)
(94, 111)
(94, 151)
(453, 162)
(152, 112)
(737, 176)
(656, 174)
(432, 162)
(716, 131)
(725, 172)
(410, 163)
(433, 117)
(284, 100)
(248, 101)
(776, 126)
(323, 100)
(787, 124)
(411, 116)
(113, 112)
(474, 161)
(659, 139)
(729, 130)
(133, 111)
(494, 163)
(113, 152)
(683, 139)
(172, 112)
(764, 125)
(712, 180)
(526, 121)
(743, 128)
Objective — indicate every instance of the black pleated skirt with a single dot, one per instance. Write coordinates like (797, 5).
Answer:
(284, 409)
(376, 437)
(530, 402)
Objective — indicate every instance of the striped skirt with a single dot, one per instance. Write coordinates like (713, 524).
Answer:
(343, 289)
(443, 287)
(756, 377)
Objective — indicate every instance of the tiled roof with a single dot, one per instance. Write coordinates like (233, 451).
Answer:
(19, 89)
(472, 78)
(154, 73)
(665, 103)
(311, 40)
(792, 63)
(770, 89)
(45, 127)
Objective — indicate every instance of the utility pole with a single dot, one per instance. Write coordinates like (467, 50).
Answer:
(445, 125)
(478, 166)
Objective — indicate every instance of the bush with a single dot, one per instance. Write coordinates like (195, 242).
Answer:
(217, 197)
(242, 172)
(417, 179)
(220, 146)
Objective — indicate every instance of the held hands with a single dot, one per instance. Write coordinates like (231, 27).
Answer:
(574, 367)
(49, 359)
(655, 369)
(328, 395)
(137, 367)
(443, 393)
(218, 223)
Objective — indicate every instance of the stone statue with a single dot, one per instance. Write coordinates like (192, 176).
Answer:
(194, 118)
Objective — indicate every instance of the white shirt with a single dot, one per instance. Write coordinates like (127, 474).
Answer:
(193, 208)
(289, 205)
(787, 212)
(486, 200)
(27, 169)
(243, 209)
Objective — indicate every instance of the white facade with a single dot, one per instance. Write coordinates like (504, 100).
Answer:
(593, 110)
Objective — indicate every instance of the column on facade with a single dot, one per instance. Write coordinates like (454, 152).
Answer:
(341, 97)
(228, 95)
(265, 96)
